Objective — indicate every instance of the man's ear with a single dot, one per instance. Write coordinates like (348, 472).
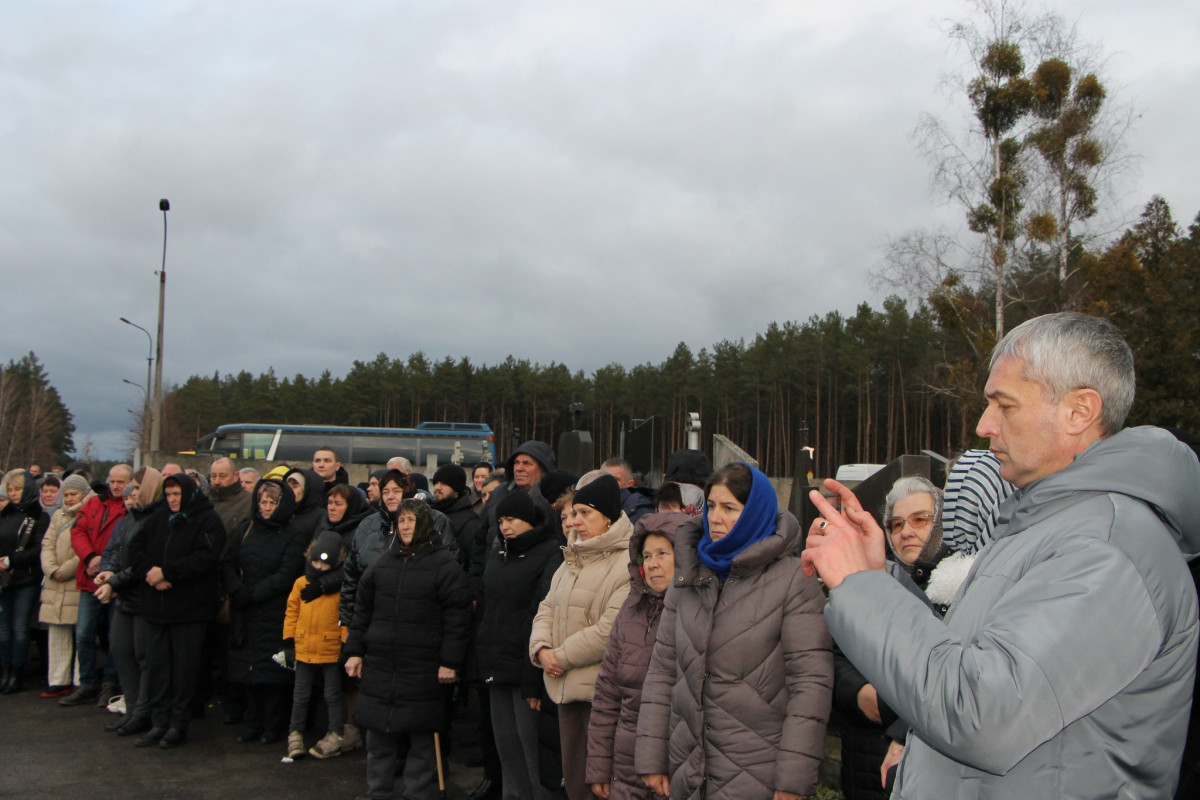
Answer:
(1083, 408)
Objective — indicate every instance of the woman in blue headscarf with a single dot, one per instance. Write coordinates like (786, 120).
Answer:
(737, 697)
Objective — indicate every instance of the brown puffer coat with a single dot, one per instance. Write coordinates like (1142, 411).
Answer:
(613, 727)
(737, 697)
(60, 598)
(576, 616)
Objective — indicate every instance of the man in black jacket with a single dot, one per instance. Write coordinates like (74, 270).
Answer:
(451, 498)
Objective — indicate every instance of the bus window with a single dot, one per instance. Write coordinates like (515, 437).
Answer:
(377, 449)
(300, 445)
(256, 445)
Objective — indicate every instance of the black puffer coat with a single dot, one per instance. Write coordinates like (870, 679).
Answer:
(412, 616)
(263, 560)
(186, 546)
(124, 581)
(464, 524)
(375, 536)
(26, 511)
(516, 576)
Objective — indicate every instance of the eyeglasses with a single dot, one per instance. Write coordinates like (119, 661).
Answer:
(918, 522)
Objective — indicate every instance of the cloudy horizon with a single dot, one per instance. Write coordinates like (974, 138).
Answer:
(584, 183)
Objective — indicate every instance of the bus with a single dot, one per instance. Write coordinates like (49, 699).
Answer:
(452, 442)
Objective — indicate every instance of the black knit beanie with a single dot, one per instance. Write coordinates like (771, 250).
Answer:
(602, 494)
(453, 476)
(519, 505)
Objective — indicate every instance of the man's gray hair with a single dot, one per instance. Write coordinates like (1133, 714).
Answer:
(1068, 351)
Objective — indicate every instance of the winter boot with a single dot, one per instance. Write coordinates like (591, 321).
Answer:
(329, 746)
(352, 738)
(295, 746)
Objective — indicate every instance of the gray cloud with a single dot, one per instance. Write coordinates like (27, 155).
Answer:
(583, 183)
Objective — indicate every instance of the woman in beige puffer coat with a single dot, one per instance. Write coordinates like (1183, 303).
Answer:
(573, 623)
(60, 599)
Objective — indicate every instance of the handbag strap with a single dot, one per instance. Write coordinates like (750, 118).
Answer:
(26, 531)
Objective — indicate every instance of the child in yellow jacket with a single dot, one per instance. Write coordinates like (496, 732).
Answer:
(313, 627)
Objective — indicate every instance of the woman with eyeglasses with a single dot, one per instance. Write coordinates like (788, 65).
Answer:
(872, 736)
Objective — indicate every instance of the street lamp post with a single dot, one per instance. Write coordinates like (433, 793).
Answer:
(137, 456)
(143, 439)
(156, 425)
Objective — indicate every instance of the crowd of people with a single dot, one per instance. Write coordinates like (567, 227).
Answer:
(1028, 630)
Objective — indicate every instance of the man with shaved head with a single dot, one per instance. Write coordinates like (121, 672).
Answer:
(93, 528)
(229, 499)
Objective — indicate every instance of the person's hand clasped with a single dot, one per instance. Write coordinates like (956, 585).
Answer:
(550, 663)
(446, 675)
(841, 543)
(659, 784)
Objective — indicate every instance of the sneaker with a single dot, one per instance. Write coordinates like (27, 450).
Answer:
(107, 692)
(351, 739)
(329, 746)
(57, 691)
(117, 704)
(295, 747)
(79, 696)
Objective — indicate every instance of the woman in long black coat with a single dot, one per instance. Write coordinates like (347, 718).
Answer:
(263, 560)
(23, 525)
(175, 557)
(409, 636)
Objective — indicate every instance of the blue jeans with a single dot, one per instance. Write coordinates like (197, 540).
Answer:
(90, 611)
(16, 610)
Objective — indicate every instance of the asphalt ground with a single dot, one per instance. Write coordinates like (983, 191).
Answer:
(47, 750)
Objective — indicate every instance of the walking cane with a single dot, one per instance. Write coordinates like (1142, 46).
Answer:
(437, 752)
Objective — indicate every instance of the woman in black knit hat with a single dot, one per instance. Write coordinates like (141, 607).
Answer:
(573, 622)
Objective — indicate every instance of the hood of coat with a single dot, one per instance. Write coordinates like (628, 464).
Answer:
(314, 492)
(663, 523)
(283, 512)
(1146, 463)
(29, 491)
(357, 509)
(150, 487)
(192, 500)
(689, 570)
(538, 451)
(615, 539)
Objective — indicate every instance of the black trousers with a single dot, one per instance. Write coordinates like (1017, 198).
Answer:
(174, 654)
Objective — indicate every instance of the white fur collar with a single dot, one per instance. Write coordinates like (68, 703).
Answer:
(947, 577)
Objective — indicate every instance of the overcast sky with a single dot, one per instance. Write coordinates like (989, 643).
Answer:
(573, 182)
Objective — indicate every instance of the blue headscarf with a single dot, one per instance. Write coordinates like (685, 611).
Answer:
(756, 523)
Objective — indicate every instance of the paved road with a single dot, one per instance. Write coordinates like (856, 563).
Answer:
(47, 751)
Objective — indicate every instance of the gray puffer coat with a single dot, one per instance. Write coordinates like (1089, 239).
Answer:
(1066, 664)
(737, 697)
